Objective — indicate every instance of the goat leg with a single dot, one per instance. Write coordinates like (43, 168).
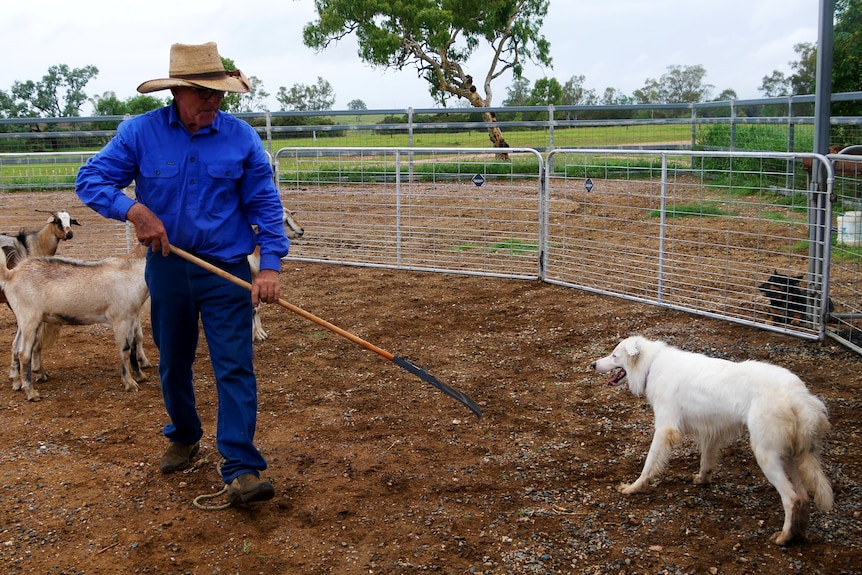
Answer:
(26, 375)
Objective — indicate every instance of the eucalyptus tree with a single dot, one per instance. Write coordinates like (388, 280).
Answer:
(59, 94)
(302, 97)
(438, 38)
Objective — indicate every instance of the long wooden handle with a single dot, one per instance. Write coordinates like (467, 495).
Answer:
(399, 361)
(283, 303)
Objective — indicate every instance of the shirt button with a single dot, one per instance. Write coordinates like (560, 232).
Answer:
(192, 159)
(192, 182)
(158, 172)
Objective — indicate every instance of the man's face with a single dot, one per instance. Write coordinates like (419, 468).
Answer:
(197, 107)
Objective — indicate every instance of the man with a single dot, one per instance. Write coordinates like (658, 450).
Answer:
(202, 179)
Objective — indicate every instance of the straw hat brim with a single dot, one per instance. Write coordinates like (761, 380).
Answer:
(234, 81)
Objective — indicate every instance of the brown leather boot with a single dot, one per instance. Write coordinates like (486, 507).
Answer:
(178, 456)
(248, 488)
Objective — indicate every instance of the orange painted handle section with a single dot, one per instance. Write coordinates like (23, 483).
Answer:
(283, 303)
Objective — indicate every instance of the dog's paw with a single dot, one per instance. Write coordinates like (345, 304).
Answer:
(702, 478)
(628, 489)
(781, 538)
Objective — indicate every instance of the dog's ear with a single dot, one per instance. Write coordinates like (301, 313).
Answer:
(632, 347)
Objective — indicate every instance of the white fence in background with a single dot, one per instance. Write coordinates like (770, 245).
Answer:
(694, 231)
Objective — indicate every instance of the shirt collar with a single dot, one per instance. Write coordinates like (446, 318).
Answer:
(174, 119)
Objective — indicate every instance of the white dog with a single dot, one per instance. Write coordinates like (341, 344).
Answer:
(713, 400)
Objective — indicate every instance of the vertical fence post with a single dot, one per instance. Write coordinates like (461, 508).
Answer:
(410, 143)
(550, 135)
(662, 232)
(791, 144)
(269, 131)
(693, 132)
(732, 125)
(819, 204)
(398, 205)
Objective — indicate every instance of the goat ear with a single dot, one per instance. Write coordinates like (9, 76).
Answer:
(74, 222)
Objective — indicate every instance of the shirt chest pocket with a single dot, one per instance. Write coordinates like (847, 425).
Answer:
(229, 171)
(159, 170)
(221, 189)
(158, 186)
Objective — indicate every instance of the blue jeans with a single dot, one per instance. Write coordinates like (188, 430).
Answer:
(181, 294)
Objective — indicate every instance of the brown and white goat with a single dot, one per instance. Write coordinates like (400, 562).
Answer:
(41, 242)
(293, 229)
(64, 291)
(37, 243)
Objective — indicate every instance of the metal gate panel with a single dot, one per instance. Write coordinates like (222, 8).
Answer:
(845, 275)
(695, 231)
(462, 210)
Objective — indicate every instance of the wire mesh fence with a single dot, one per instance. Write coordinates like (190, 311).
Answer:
(465, 210)
(720, 234)
(845, 284)
(33, 184)
(742, 236)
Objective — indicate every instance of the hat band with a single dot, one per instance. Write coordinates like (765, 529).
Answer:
(207, 75)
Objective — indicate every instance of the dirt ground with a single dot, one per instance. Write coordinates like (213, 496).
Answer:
(377, 472)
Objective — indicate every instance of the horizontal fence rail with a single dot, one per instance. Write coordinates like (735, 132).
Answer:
(783, 124)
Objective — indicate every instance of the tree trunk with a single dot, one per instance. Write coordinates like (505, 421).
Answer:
(494, 133)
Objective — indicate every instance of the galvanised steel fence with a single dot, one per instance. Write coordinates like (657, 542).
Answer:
(458, 210)
(701, 231)
(697, 231)
(783, 124)
(739, 236)
(845, 283)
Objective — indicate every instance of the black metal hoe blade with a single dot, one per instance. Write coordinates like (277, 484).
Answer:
(399, 361)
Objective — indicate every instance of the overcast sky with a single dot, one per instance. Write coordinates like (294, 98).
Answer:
(613, 43)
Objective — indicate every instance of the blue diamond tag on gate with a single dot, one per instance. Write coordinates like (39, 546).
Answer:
(589, 184)
(478, 179)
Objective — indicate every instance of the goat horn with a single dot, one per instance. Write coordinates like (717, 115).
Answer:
(400, 362)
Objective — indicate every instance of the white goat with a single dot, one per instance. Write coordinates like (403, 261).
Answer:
(63, 291)
(293, 229)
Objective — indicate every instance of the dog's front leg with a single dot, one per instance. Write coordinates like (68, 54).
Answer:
(708, 463)
(660, 450)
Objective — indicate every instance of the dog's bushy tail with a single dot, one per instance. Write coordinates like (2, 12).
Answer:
(811, 432)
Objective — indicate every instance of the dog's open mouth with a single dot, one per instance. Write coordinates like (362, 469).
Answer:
(618, 377)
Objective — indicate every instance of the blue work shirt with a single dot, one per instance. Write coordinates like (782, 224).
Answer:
(208, 188)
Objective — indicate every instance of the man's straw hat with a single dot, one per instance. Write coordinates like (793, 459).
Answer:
(198, 66)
